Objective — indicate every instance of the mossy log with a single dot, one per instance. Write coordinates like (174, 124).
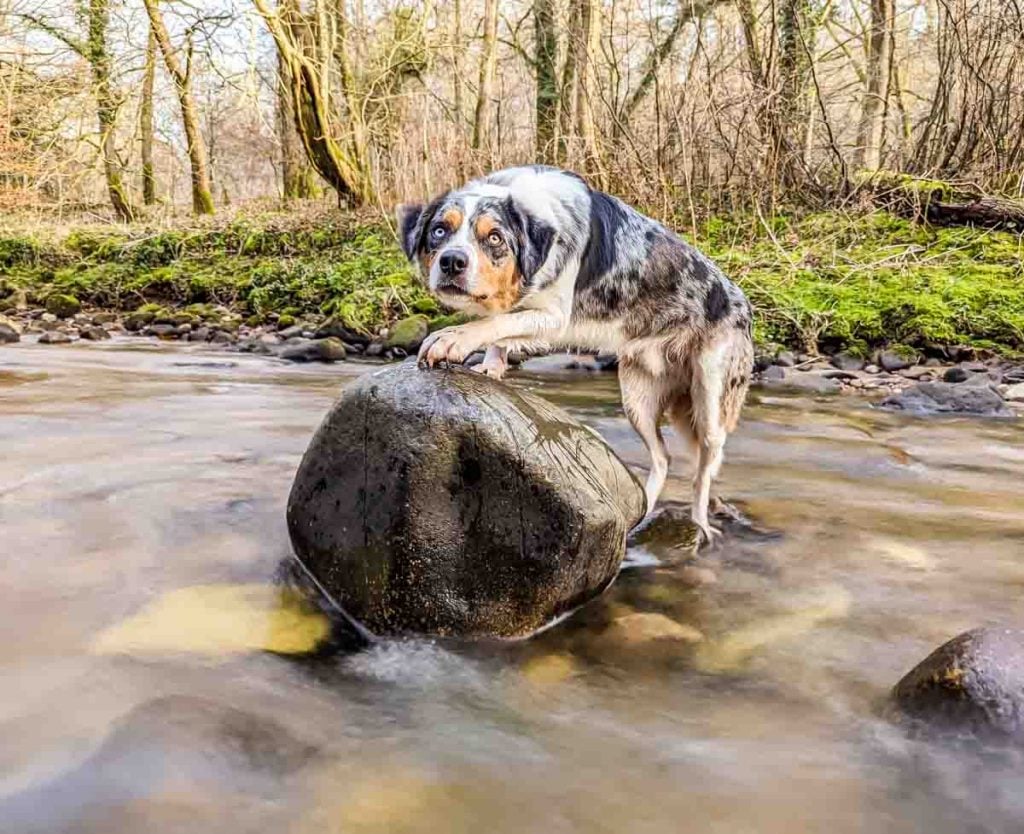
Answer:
(941, 203)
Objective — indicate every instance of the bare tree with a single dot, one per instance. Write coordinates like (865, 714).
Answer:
(202, 197)
(146, 122)
(93, 48)
(876, 97)
(547, 99)
(485, 90)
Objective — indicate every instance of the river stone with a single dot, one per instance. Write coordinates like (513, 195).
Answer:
(54, 337)
(63, 306)
(408, 334)
(973, 684)
(848, 362)
(444, 502)
(1015, 393)
(319, 350)
(947, 397)
(8, 331)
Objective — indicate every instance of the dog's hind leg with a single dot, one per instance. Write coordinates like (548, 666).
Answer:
(721, 374)
(644, 400)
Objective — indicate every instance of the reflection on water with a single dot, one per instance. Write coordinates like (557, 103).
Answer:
(149, 682)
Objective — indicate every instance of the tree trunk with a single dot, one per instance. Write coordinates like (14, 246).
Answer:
(457, 80)
(297, 178)
(308, 70)
(876, 98)
(106, 107)
(146, 123)
(488, 62)
(547, 98)
(787, 120)
(202, 198)
(586, 86)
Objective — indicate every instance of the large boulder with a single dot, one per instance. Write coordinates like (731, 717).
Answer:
(973, 685)
(444, 502)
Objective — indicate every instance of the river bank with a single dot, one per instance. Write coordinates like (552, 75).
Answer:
(821, 284)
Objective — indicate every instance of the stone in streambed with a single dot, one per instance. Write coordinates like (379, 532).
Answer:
(1015, 393)
(9, 331)
(63, 306)
(319, 350)
(54, 337)
(444, 502)
(974, 684)
(408, 334)
(94, 334)
(949, 398)
(848, 362)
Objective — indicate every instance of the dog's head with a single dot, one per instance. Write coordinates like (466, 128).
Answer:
(479, 250)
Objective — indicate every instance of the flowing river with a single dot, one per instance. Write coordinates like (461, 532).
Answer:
(154, 678)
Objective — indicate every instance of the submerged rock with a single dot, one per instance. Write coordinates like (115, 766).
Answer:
(444, 502)
(947, 398)
(319, 350)
(54, 337)
(974, 684)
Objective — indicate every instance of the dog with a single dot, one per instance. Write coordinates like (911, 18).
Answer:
(549, 262)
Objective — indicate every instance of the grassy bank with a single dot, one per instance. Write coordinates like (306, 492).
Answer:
(822, 282)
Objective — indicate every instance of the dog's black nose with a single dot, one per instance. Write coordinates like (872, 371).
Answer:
(453, 262)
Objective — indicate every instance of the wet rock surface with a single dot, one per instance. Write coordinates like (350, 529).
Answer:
(949, 398)
(443, 502)
(973, 685)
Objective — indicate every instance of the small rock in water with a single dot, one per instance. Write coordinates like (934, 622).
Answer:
(812, 381)
(318, 350)
(54, 337)
(8, 332)
(645, 627)
(696, 577)
(972, 684)
(774, 373)
(848, 362)
(917, 372)
(892, 361)
(94, 334)
(161, 331)
(944, 398)
(1015, 393)
(955, 374)
(785, 359)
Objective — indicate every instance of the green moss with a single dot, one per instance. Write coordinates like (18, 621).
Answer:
(865, 281)
(827, 280)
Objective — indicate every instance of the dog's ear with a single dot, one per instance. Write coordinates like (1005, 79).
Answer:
(534, 239)
(410, 222)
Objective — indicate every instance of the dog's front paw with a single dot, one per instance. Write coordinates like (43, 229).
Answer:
(449, 346)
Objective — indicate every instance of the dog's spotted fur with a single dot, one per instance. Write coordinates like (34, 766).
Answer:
(550, 262)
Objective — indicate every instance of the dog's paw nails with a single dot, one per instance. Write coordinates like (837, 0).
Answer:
(708, 535)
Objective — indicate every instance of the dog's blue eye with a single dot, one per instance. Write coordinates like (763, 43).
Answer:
(438, 232)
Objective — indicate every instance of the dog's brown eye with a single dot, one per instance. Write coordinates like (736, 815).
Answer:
(494, 239)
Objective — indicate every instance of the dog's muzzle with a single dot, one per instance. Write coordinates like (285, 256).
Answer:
(453, 266)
